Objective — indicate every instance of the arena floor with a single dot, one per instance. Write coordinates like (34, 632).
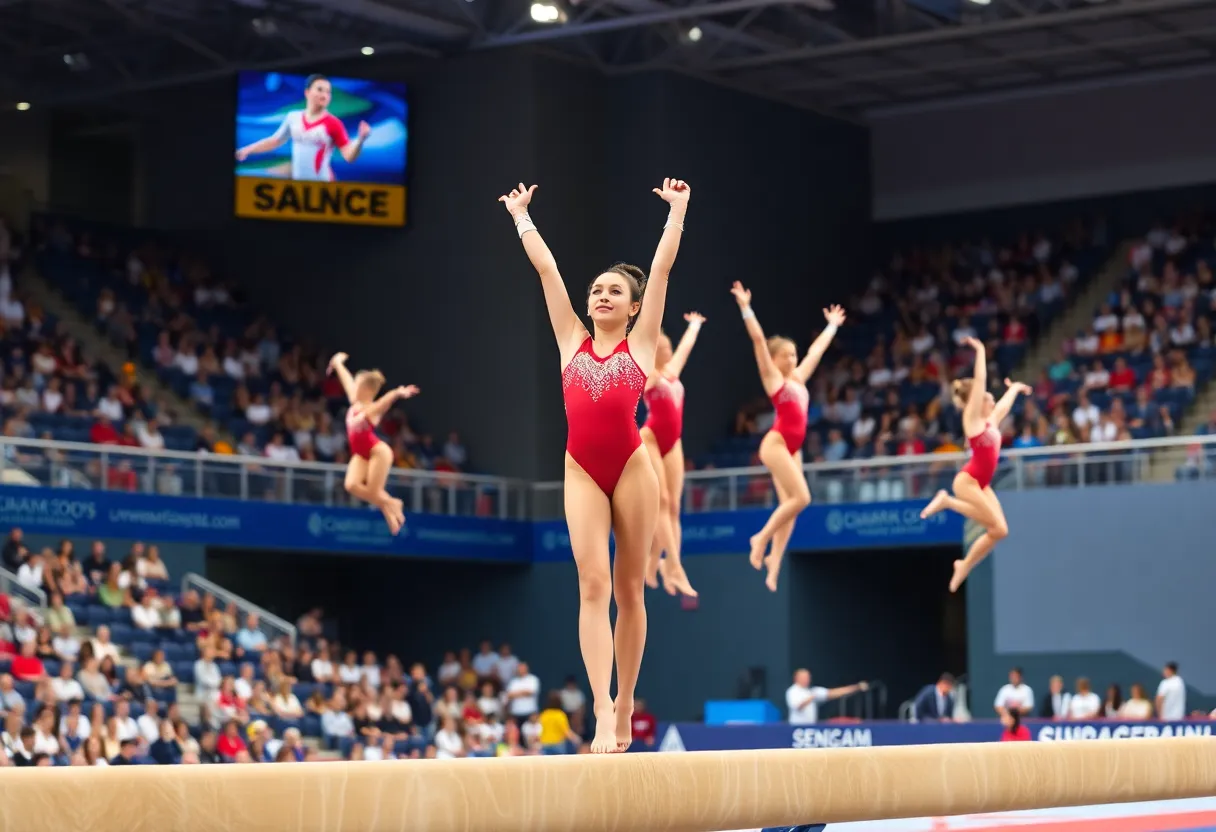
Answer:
(1166, 816)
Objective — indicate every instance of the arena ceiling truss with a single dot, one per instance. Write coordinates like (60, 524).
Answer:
(841, 57)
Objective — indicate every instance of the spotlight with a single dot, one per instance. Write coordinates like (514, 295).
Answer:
(546, 13)
(23, 105)
(695, 33)
(368, 51)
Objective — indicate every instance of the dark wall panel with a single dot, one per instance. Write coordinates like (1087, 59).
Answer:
(450, 303)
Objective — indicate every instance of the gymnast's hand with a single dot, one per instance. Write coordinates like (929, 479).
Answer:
(674, 192)
(834, 315)
(1021, 388)
(407, 392)
(694, 317)
(517, 201)
(742, 296)
(338, 360)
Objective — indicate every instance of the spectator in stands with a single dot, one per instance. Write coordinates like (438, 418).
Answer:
(11, 699)
(110, 591)
(207, 676)
(1138, 706)
(803, 701)
(645, 726)
(1113, 702)
(1057, 703)
(1171, 694)
(336, 722)
(1084, 703)
(448, 742)
(1014, 731)
(14, 551)
(29, 574)
(66, 688)
(935, 703)
(159, 673)
(27, 667)
(230, 744)
(523, 693)
(556, 737)
(250, 639)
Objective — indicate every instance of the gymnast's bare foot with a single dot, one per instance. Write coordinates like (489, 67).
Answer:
(935, 505)
(624, 724)
(961, 571)
(774, 569)
(604, 741)
(759, 544)
(668, 579)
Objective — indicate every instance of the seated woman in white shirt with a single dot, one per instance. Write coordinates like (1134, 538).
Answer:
(286, 704)
(1138, 706)
(448, 742)
(349, 672)
(322, 667)
(1085, 704)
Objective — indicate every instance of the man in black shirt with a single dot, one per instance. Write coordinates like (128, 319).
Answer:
(14, 551)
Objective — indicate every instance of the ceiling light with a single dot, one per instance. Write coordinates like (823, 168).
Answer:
(694, 34)
(546, 13)
(368, 51)
(981, 2)
(23, 105)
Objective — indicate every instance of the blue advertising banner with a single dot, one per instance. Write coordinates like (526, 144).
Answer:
(695, 736)
(259, 524)
(819, 528)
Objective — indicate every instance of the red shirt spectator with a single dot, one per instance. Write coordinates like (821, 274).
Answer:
(1019, 734)
(103, 433)
(911, 447)
(27, 667)
(1123, 377)
(230, 743)
(1015, 332)
(122, 478)
(644, 724)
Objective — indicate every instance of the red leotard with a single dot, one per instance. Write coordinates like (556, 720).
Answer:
(665, 412)
(601, 397)
(791, 402)
(360, 433)
(985, 453)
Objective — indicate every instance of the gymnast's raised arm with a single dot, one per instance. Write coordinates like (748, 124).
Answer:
(567, 328)
(644, 338)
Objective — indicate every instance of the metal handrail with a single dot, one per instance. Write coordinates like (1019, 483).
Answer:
(266, 619)
(437, 477)
(11, 586)
(895, 462)
(197, 474)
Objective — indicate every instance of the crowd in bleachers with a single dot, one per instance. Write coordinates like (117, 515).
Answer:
(173, 317)
(883, 390)
(96, 677)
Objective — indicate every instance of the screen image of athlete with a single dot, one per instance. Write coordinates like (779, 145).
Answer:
(370, 456)
(315, 133)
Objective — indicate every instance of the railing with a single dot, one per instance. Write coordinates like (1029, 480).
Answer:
(885, 479)
(179, 473)
(270, 624)
(865, 705)
(9, 585)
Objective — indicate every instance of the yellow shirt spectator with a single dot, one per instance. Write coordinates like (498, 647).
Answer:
(554, 726)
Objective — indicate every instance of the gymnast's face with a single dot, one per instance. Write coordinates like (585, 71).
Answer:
(318, 95)
(785, 356)
(663, 351)
(610, 302)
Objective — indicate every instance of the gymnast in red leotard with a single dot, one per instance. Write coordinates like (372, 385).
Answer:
(973, 494)
(370, 457)
(664, 397)
(610, 485)
(784, 379)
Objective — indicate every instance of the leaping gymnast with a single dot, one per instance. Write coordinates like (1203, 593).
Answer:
(370, 456)
(973, 494)
(610, 485)
(784, 378)
(664, 397)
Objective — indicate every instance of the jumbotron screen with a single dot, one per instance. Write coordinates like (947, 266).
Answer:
(315, 148)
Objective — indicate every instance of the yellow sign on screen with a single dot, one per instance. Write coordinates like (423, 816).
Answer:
(354, 203)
